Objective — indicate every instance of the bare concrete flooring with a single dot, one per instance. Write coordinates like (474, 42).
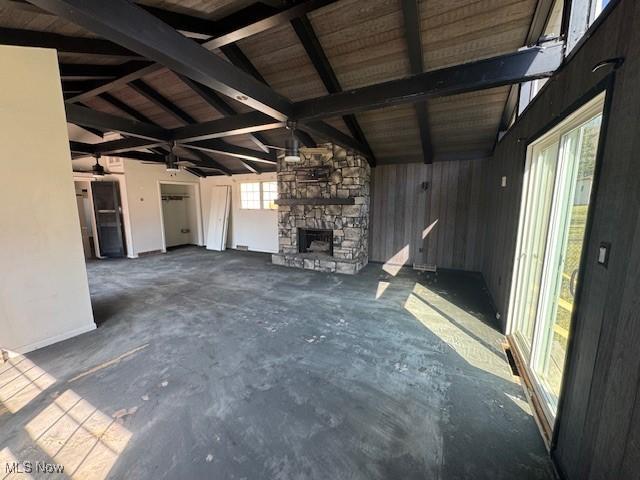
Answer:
(223, 366)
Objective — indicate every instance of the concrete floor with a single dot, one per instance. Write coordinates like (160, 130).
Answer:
(223, 366)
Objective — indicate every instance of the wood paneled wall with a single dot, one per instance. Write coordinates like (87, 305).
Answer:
(437, 226)
(598, 429)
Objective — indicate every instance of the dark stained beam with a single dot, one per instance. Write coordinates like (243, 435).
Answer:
(80, 147)
(536, 29)
(125, 144)
(129, 72)
(78, 71)
(236, 56)
(123, 107)
(195, 171)
(223, 107)
(325, 130)
(172, 109)
(411, 15)
(130, 26)
(231, 28)
(224, 148)
(225, 127)
(157, 99)
(62, 43)
(520, 66)
(307, 36)
(86, 117)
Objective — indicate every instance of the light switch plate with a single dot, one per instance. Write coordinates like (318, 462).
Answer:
(603, 253)
(503, 182)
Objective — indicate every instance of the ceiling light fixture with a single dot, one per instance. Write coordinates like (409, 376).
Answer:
(292, 147)
(171, 160)
(97, 169)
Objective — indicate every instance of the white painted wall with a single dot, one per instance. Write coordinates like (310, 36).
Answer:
(179, 214)
(256, 229)
(44, 292)
(143, 203)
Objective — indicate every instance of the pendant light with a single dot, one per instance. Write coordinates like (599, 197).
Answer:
(97, 169)
(171, 160)
(292, 147)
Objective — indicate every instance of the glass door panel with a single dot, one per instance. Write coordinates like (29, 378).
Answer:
(565, 245)
(556, 193)
(541, 174)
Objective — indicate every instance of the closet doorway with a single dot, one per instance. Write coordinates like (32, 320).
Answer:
(181, 217)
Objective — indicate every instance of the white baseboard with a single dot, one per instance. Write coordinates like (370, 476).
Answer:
(51, 340)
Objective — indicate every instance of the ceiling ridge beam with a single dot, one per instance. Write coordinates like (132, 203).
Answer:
(132, 27)
(311, 43)
(233, 28)
(411, 15)
(515, 67)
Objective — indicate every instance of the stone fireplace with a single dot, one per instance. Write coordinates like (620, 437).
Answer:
(323, 211)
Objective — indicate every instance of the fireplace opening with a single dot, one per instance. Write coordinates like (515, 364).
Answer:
(312, 240)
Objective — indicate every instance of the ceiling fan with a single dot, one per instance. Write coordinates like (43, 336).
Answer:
(292, 148)
(171, 160)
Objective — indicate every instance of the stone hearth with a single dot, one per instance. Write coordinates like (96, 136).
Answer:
(327, 190)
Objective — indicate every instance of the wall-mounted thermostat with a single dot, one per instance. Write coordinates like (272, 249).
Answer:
(603, 253)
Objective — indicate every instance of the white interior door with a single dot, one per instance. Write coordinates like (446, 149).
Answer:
(218, 218)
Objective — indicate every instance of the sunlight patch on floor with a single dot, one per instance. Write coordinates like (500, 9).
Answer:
(76, 434)
(395, 263)
(382, 286)
(471, 348)
(21, 381)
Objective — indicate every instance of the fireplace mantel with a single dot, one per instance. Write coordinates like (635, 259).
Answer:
(316, 201)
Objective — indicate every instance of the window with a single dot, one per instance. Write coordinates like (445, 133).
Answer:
(269, 195)
(258, 195)
(250, 196)
(583, 14)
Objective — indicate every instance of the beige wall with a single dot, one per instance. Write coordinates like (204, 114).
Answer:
(255, 229)
(44, 293)
(143, 203)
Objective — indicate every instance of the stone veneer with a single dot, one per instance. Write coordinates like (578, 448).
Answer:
(349, 176)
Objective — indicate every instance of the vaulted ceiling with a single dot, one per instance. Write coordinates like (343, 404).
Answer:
(340, 45)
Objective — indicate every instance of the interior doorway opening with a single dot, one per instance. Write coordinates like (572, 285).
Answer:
(181, 220)
(87, 221)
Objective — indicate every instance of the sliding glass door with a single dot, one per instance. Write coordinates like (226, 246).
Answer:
(555, 205)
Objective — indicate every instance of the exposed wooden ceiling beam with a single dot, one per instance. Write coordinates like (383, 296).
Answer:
(132, 27)
(63, 43)
(311, 44)
(223, 107)
(78, 71)
(224, 148)
(86, 117)
(520, 66)
(243, 24)
(236, 56)
(334, 135)
(536, 29)
(225, 127)
(172, 109)
(411, 15)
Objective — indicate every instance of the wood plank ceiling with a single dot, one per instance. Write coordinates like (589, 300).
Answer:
(364, 42)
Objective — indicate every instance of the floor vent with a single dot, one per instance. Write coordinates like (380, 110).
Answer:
(423, 267)
(511, 360)
(244, 248)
